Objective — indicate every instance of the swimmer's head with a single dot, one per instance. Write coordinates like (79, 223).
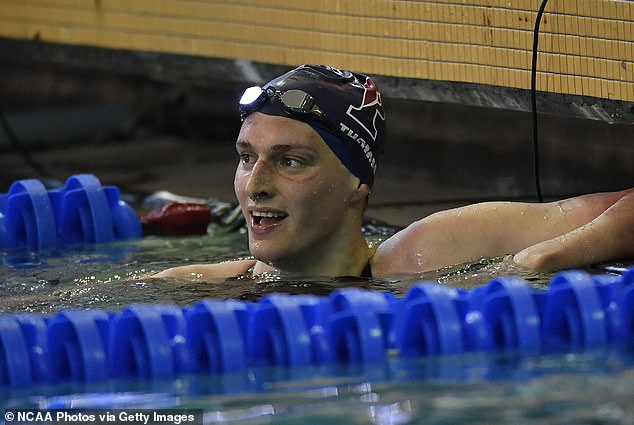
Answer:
(343, 107)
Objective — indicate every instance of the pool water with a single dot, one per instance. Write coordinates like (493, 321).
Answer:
(477, 388)
(581, 388)
(111, 276)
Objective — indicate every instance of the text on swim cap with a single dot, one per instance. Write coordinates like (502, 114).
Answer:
(362, 143)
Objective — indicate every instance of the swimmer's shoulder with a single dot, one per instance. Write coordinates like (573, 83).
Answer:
(411, 250)
(225, 269)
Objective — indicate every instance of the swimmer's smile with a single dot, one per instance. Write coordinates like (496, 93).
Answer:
(265, 221)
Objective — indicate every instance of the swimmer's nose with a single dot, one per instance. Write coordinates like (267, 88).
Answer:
(260, 182)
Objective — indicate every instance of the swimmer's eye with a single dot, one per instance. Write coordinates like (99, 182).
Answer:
(245, 158)
(292, 162)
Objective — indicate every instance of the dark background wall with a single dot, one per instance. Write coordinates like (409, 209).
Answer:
(445, 143)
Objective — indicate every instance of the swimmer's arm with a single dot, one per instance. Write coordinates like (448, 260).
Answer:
(492, 229)
(201, 272)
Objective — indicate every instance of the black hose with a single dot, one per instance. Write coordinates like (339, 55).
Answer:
(534, 101)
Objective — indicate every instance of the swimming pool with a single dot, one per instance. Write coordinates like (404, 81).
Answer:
(568, 385)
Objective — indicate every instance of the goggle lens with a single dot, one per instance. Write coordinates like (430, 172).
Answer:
(250, 96)
(294, 101)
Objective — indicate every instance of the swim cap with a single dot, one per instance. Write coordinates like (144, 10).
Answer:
(343, 107)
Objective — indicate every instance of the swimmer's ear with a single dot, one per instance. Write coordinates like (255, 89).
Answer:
(361, 192)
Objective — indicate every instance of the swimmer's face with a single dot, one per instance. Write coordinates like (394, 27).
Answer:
(294, 192)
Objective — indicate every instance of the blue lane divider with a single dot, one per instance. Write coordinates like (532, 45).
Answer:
(577, 311)
(15, 369)
(359, 330)
(573, 314)
(78, 345)
(82, 211)
(148, 342)
(34, 329)
(430, 321)
(26, 217)
(507, 316)
(278, 332)
(216, 335)
(627, 307)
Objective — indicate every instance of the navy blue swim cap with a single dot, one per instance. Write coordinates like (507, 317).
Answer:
(343, 107)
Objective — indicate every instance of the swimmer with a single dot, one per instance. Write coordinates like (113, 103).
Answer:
(308, 149)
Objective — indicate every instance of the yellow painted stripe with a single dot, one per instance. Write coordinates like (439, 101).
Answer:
(586, 46)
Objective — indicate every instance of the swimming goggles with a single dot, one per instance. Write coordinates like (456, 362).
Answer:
(294, 102)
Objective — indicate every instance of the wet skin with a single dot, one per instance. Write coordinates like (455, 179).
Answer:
(303, 207)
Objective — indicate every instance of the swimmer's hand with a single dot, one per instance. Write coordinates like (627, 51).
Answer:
(204, 272)
(609, 236)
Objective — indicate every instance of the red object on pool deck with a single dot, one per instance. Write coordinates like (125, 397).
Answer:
(177, 219)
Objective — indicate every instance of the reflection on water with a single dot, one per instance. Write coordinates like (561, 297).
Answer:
(583, 388)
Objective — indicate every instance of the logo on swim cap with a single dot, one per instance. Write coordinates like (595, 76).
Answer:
(371, 99)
